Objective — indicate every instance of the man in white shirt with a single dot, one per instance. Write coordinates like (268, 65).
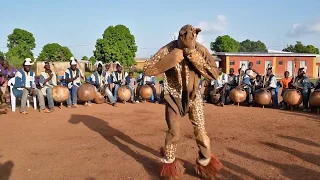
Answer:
(272, 86)
(25, 85)
(72, 77)
(48, 79)
(102, 82)
(219, 86)
(118, 78)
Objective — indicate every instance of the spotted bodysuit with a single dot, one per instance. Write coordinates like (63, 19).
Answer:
(183, 96)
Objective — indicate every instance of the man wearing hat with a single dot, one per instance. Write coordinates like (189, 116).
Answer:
(72, 77)
(302, 83)
(118, 78)
(48, 79)
(102, 82)
(25, 85)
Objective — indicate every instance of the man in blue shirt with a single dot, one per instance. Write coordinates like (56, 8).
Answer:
(25, 85)
(302, 83)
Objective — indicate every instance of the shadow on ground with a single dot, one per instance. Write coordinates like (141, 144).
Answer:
(152, 166)
(291, 171)
(6, 169)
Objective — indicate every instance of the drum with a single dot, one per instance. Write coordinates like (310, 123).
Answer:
(315, 99)
(146, 92)
(98, 98)
(292, 97)
(86, 92)
(215, 98)
(60, 93)
(262, 97)
(238, 95)
(124, 93)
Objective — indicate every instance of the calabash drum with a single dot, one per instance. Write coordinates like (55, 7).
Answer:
(262, 97)
(146, 92)
(292, 97)
(60, 93)
(238, 95)
(215, 98)
(315, 99)
(86, 92)
(98, 98)
(124, 93)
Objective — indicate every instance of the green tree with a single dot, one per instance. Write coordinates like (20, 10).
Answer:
(252, 46)
(85, 58)
(225, 44)
(301, 48)
(20, 45)
(92, 59)
(2, 54)
(55, 52)
(117, 44)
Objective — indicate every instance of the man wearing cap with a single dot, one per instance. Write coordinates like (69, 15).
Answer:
(48, 79)
(72, 77)
(302, 83)
(101, 82)
(25, 85)
(118, 78)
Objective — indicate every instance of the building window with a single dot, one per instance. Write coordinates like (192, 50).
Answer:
(280, 62)
(303, 63)
(232, 63)
(258, 62)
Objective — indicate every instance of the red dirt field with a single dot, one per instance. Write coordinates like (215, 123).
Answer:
(104, 142)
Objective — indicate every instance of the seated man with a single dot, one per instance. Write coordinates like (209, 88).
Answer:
(102, 83)
(6, 73)
(48, 79)
(272, 86)
(220, 87)
(118, 79)
(25, 85)
(246, 84)
(72, 76)
(146, 80)
(317, 85)
(131, 82)
(302, 83)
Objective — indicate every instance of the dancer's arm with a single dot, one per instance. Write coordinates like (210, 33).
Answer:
(203, 61)
(166, 58)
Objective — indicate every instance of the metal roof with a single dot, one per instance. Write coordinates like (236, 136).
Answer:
(266, 54)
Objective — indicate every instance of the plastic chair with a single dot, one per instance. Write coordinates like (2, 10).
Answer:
(13, 98)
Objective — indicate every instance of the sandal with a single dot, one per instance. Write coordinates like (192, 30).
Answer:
(24, 112)
(45, 111)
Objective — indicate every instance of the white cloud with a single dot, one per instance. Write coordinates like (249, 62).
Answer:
(217, 26)
(299, 30)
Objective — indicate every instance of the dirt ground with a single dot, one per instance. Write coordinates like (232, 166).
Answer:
(105, 142)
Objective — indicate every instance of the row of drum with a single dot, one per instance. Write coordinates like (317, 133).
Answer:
(87, 92)
(292, 97)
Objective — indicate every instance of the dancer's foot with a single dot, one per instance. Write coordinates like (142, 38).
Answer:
(208, 168)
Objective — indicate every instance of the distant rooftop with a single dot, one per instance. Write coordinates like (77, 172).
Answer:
(266, 54)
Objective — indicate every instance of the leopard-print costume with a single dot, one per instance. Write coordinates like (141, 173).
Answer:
(182, 93)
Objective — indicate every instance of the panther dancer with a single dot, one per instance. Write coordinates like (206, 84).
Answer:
(183, 62)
